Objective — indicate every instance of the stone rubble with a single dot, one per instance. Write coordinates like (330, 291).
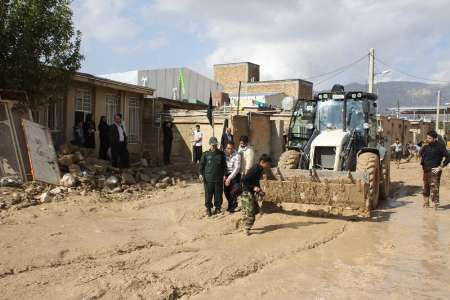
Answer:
(82, 173)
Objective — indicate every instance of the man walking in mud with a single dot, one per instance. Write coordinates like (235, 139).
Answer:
(251, 187)
(212, 173)
(432, 155)
(398, 151)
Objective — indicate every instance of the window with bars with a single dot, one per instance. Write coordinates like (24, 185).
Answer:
(112, 107)
(83, 104)
(134, 120)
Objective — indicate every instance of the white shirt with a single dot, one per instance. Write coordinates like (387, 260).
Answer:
(247, 158)
(397, 147)
(233, 164)
(122, 133)
(198, 137)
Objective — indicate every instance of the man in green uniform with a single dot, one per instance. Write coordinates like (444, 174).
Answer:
(212, 171)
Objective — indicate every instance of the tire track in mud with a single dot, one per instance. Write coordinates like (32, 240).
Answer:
(232, 273)
(131, 269)
(127, 248)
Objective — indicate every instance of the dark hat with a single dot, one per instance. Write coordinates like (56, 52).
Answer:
(213, 141)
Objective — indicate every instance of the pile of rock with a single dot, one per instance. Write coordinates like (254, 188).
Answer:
(84, 173)
(81, 168)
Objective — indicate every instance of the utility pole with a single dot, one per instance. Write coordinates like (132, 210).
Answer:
(239, 98)
(437, 110)
(371, 69)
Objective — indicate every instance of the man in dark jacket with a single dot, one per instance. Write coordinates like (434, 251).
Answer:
(250, 187)
(212, 173)
(432, 155)
(167, 142)
(227, 137)
(118, 142)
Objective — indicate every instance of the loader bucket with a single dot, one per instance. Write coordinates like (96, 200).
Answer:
(319, 192)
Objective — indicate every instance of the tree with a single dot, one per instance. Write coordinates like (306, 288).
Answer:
(39, 48)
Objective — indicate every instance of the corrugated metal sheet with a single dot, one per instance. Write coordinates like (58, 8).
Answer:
(197, 86)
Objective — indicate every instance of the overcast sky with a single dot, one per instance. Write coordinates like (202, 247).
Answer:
(287, 38)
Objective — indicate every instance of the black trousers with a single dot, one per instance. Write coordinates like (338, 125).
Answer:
(167, 149)
(103, 151)
(213, 189)
(232, 191)
(197, 150)
(120, 155)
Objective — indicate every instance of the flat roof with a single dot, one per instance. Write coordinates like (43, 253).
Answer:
(237, 63)
(256, 94)
(100, 81)
(418, 109)
(279, 81)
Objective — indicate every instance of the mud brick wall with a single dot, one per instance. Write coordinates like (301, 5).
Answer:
(229, 75)
(260, 133)
(182, 134)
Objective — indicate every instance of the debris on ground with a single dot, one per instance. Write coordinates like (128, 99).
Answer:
(83, 173)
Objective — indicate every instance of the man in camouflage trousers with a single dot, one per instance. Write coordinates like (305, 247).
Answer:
(432, 155)
(251, 187)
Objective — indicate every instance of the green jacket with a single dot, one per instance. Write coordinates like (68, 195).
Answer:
(213, 165)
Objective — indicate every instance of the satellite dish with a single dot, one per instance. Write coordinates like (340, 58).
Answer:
(287, 103)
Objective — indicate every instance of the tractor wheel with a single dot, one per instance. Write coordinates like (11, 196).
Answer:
(370, 163)
(289, 160)
(385, 185)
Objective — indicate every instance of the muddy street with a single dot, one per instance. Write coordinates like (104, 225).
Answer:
(163, 247)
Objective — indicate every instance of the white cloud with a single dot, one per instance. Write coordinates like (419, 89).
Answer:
(296, 38)
(105, 20)
(130, 77)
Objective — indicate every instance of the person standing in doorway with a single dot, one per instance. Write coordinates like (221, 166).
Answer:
(118, 142)
(251, 187)
(198, 144)
(78, 135)
(247, 155)
(432, 155)
(227, 137)
(212, 171)
(232, 176)
(167, 141)
(103, 128)
(398, 150)
(89, 132)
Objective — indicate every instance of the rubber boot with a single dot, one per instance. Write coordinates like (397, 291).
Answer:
(426, 202)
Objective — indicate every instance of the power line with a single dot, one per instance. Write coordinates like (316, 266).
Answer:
(340, 72)
(338, 69)
(409, 74)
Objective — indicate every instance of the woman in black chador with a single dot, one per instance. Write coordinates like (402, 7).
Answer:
(89, 132)
(103, 128)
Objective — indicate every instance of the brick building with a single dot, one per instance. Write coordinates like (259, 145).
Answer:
(229, 76)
